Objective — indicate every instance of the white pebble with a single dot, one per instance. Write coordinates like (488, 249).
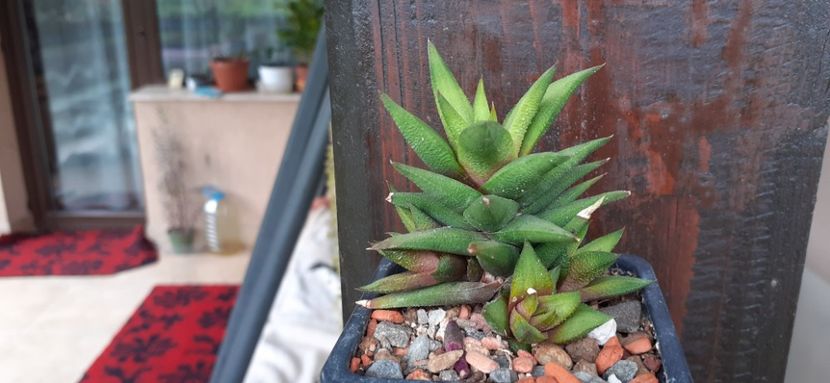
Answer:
(604, 332)
(613, 379)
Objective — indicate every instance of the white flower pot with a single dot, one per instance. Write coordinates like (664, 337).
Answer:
(276, 79)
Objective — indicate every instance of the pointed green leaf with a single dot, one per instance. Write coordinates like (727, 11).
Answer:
(554, 182)
(405, 214)
(612, 286)
(561, 215)
(454, 123)
(533, 229)
(493, 115)
(431, 207)
(585, 267)
(421, 220)
(444, 83)
(554, 99)
(474, 270)
(522, 114)
(523, 331)
(531, 275)
(554, 309)
(583, 320)
(491, 212)
(481, 111)
(443, 239)
(483, 148)
(527, 307)
(424, 141)
(517, 177)
(400, 282)
(496, 314)
(411, 260)
(573, 193)
(495, 257)
(554, 274)
(452, 193)
(445, 294)
(605, 243)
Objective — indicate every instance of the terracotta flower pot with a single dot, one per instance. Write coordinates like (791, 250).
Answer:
(230, 74)
(300, 76)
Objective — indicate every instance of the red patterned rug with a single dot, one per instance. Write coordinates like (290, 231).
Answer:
(82, 252)
(173, 337)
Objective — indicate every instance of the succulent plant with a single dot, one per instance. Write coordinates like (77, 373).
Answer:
(492, 214)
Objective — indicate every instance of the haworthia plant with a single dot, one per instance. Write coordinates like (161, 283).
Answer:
(493, 221)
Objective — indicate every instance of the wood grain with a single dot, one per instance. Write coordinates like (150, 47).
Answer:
(719, 112)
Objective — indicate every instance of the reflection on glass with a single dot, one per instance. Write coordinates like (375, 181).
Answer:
(80, 57)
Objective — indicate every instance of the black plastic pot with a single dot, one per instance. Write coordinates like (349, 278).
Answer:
(675, 369)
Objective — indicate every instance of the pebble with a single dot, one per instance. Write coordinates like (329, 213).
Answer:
(370, 328)
(444, 361)
(502, 360)
(465, 312)
(584, 349)
(545, 379)
(624, 370)
(585, 377)
(355, 364)
(453, 337)
(392, 335)
(523, 364)
(448, 376)
(614, 379)
(645, 378)
(480, 322)
(491, 343)
(384, 354)
(527, 379)
(419, 375)
(538, 371)
(386, 369)
(627, 314)
(585, 366)
(365, 360)
(435, 317)
(610, 354)
(474, 345)
(604, 332)
(481, 362)
(503, 375)
(637, 343)
(561, 374)
(419, 349)
(641, 368)
(368, 345)
(548, 352)
(652, 362)
(423, 318)
(388, 315)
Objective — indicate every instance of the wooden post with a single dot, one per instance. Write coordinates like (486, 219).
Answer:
(719, 112)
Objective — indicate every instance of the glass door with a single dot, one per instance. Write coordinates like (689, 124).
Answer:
(79, 62)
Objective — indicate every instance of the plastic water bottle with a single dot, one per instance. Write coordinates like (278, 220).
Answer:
(216, 219)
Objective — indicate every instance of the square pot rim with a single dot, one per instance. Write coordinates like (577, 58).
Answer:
(675, 368)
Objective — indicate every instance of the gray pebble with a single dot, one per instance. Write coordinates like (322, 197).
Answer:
(423, 318)
(390, 335)
(627, 314)
(625, 370)
(503, 375)
(436, 316)
(419, 349)
(502, 360)
(385, 369)
(448, 376)
(585, 377)
(538, 371)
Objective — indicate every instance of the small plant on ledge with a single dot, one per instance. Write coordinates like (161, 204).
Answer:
(498, 233)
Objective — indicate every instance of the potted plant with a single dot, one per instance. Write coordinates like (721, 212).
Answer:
(299, 32)
(495, 278)
(175, 194)
(275, 73)
(230, 73)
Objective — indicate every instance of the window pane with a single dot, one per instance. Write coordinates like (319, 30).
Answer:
(195, 31)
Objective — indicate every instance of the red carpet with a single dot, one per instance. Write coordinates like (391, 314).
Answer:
(83, 252)
(172, 338)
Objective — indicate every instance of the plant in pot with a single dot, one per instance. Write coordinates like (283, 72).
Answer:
(275, 72)
(495, 278)
(299, 32)
(230, 72)
(176, 197)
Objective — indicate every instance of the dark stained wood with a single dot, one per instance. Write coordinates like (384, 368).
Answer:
(720, 116)
(141, 31)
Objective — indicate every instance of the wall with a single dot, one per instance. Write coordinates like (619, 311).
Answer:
(14, 213)
(235, 143)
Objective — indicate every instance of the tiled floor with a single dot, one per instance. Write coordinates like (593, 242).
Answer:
(52, 328)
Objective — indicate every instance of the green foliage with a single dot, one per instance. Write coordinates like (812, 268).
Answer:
(495, 222)
(302, 24)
